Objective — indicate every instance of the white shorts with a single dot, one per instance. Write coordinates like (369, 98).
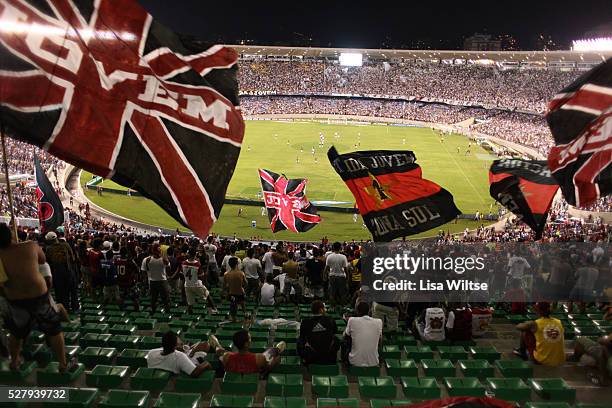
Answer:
(194, 292)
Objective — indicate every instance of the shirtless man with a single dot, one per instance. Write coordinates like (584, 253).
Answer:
(28, 298)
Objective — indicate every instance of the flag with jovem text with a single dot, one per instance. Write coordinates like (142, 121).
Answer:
(391, 194)
(526, 188)
(580, 119)
(286, 202)
(101, 85)
(50, 208)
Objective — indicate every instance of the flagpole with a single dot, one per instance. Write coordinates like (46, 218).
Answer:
(9, 190)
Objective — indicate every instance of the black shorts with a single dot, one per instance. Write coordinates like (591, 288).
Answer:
(37, 313)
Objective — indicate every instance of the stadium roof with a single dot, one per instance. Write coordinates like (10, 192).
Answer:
(380, 54)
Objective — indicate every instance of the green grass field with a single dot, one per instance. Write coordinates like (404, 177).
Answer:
(276, 146)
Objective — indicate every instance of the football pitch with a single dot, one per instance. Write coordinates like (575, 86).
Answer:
(287, 147)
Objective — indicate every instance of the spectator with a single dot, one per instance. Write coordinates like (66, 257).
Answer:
(234, 283)
(335, 266)
(364, 334)
(542, 340)
(174, 357)
(252, 270)
(318, 343)
(245, 362)
(268, 291)
(155, 266)
(62, 262)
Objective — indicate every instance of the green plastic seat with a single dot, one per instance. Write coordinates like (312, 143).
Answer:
(590, 405)
(92, 356)
(438, 368)
(162, 317)
(196, 335)
(201, 384)
(145, 324)
(382, 403)
(547, 405)
(239, 384)
(324, 369)
(418, 353)
(224, 334)
(177, 400)
(376, 387)
(231, 401)
(337, 402)
(149, 379)
(453, 353)
(149, 342)
(285, 385)
(464, 387)
(72, 337)
(132, 358)
(285, 402)
(51, 376)
(70, 327)
(420, 388)
(123, 341)
(125, 399)
(289, 365)
(91, 320)
(35, 337)
(476, 368)
(515, 368)
(516, 319)
(391, 351)
(258, 346)
(330, 386)
(99, 328)
(94, 340)
(553, 389)
(509, 389)
(434, 344)
(405, 340)
(106, 376)
(401, 368)
(488, 353)
(78, 398)
(122, 329)
(364, 371)
(8, 375)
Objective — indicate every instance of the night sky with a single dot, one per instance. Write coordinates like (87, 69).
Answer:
(373, 24)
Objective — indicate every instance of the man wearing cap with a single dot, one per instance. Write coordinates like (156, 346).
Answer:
(61, 259)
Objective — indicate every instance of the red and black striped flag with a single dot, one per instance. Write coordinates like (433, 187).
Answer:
(285, 199)
(393, 198)
(50, 208)
(580, 119)
(105, 87)
(526, 188)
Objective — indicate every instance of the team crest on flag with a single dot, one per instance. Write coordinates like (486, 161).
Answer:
(580, 119)
(526, 188)
(391, 194)
(50, 208)
(286, 202)
(101, 85)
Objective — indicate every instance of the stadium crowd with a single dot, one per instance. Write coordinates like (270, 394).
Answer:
(489, 86)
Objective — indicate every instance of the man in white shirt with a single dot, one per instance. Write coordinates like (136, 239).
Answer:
(251, 267)
(267, 292)
(155, 266)
(212, 268)
(173, 358)
(365, 333)
(267, 262)
(194, 288)
(335, 266)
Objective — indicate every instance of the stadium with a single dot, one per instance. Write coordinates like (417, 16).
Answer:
(137, 309)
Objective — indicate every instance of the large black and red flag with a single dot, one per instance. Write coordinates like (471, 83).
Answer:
(580, 119)
(391, 194)
(100, 84)
(285, 199)
(50, 208)
(526, 188)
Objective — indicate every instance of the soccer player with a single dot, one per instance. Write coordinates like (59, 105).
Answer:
(469, 149)
(458, 149)
(240, 212)
(194, 288)
(312, 150)
(263, 211)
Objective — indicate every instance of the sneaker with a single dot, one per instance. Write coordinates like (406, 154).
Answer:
(519, 353)
(281, 346)
(213, 341)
